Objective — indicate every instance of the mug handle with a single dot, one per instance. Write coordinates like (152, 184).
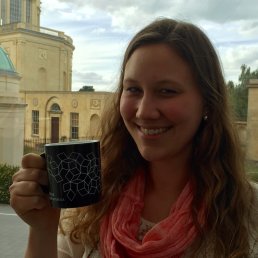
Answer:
(44, 188)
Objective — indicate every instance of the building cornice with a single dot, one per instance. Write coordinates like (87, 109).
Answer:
(6, 73)
(253, 83)
(13, 105)
(37, 31)
(67, 92)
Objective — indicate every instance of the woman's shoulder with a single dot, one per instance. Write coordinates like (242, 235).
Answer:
(75, 250)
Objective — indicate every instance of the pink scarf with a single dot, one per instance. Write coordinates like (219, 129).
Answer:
(169, 238)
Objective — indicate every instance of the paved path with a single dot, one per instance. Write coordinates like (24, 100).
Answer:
(13, 233)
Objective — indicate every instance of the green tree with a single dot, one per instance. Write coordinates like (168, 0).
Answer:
(231, 87)
(239, 92)
(87, 88)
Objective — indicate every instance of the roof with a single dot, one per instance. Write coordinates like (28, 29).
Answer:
(5, 62)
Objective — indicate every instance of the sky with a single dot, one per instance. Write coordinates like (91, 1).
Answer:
(101, 30)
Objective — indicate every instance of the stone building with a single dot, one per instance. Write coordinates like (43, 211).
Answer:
(42, 56)
(252, 121)
(64, 116)
(11, 113)
(43, 59)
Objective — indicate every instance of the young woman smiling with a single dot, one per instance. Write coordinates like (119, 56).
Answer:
(173, 174)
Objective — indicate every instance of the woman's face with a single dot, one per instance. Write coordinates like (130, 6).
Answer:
(161, 104)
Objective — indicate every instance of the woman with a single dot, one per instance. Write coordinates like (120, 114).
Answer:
(173, 174)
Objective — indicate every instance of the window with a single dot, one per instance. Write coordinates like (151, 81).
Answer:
(74, 121)
(15, 10)
(35, 122)
(55, 108)
(3, 12)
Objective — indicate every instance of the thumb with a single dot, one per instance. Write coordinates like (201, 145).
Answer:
(32, 160)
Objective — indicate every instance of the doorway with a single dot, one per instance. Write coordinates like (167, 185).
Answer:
(54, 129)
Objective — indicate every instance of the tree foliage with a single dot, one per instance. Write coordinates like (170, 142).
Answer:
(239, 92)
(87, 88)
(6, 173)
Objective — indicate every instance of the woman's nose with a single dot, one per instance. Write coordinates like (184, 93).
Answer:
(147, 108)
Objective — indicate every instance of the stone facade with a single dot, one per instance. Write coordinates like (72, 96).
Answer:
(24, 11)
(252, 121)
(56, 110)
(43, 59)
(42, 56)
(11, 113)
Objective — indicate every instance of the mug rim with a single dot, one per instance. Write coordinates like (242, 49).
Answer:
(71, 143)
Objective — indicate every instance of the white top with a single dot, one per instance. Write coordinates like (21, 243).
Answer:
(67, 249)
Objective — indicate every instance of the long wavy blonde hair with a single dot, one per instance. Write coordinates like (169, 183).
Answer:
(216, 159)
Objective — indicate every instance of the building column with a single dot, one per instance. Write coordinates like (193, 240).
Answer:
(35, 13)
(252, 121)
(23, 11)
(8, 11)
(20, 57)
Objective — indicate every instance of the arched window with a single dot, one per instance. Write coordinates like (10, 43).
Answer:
(55, 108)
(94, 125)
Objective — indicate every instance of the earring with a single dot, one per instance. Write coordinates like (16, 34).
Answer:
(205, 117)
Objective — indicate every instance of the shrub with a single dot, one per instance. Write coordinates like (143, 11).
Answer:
(6, 173)
(252, 170)
(253, 176)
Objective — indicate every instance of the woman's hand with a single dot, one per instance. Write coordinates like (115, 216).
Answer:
(27, 197)
(33, 206)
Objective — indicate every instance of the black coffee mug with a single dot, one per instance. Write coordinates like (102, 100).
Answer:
(74, 173)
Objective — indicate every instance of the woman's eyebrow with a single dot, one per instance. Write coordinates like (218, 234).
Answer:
(129, 80)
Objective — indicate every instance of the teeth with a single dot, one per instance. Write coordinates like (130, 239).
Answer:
(153, 131)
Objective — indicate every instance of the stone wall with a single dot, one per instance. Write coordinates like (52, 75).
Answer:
(11, 119)
(42, 56)
(252, 121)
(88, 105)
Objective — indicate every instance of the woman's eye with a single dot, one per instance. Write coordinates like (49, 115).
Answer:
(132, 89)
(168, 91)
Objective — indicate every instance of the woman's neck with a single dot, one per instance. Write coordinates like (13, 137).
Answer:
(164, 183)
(167, 177)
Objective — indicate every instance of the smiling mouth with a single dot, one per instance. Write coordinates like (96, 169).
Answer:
(152, 131)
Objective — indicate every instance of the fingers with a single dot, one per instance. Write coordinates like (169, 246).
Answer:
(28, 180)
(26, 188)
(27, 197)
(23, 204)
(32, 160)
(26, 193)
(31, 174)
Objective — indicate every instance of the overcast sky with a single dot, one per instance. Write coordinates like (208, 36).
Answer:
(101, 30)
